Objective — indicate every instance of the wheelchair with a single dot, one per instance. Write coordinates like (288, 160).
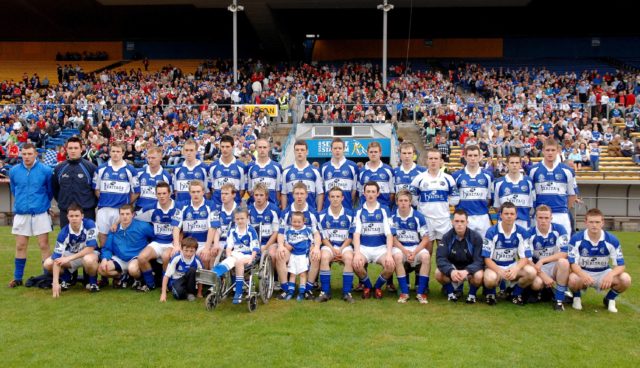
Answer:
(258, 282)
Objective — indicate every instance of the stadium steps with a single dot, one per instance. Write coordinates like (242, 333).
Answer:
(15, 69)
(410, 132)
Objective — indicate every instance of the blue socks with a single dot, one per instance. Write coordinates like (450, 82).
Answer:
(448, 288)
(517, 291)
(560, 289)
(148, 279)
(612, 294)
(239, 285)
(367, 282)
(347, 282)
(380, 281)
(93, 279)
(220, 269)
(18, 272)
(291, 288)
(66, 275)
(325, 281)
(404, 287)
(423, 283)
(473, 290)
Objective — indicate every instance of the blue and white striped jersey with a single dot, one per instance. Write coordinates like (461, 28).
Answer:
(553, 186)
(344, 176)
(161, 221)
(115, 185)
(245, 241)
(266, 221)
(383, 175)
(221, 174)
(194, 221)
(223, 220)
(546, 245)
(178, 266)
(411, 229)
(310, 218)
(269, 175)
(595, 257)
(336, 229)
(74, 242)
(308, 175)
(474, 190)
(300, 239)
(373, 225)
(183, 175)
(520, 192)
(435, 194)
(506, 249)
(148, 181)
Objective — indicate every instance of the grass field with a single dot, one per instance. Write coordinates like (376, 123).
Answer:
(123, 328)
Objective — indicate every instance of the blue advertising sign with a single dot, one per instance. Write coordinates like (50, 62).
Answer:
(354, 147)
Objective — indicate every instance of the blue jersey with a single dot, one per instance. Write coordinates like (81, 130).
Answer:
(73, 242)
(245, 241)
(194, 221)
(267, 221)
(161, 221)
(147, 181)
(128, 243)
(506, 249)
(223, 220)
(221, 174)
(373, 225)
(178, 266)
(115, 185)
(474, 190)
(310, 218)
(435, 194)
(402, 179)
(546, 245)
(183, 175)
(270, 175)
(343, 176)
(383, 175)
(411, 229)
(521, 193)
(595, 257)
(300, 240)
(336, 229)
(553, 186)
(308, 175)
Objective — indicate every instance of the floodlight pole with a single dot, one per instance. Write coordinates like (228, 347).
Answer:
(386, 7)
(235, 8)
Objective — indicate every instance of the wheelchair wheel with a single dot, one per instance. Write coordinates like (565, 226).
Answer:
(265, 287)
(211, 301)
(253, 303)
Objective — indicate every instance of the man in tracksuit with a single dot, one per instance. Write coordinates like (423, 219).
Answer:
(72, 182)
(459, 258)
(31, 188)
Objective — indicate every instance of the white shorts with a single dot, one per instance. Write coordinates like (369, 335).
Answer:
(508, 283)
(549, 269)
(32, 225)
(438, 227)
(562, 219)
(200, 248)
(105, 218)
(324, 248)
(76, 263)
(124, 265)
(230, 262)
(480, 224)
(373, 254)
(159, 248)
(597, 277)
(298, 264)
(416, 260)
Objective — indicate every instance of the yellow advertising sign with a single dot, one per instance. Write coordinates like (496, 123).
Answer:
(270, 110)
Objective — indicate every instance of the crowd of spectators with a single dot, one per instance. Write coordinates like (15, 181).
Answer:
(85, 55)
(503, 111)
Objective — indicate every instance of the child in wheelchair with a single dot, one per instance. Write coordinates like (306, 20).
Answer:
(180, 275)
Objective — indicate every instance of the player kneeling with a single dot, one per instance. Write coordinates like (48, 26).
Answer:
(411, 242)
(180, 275)
(549, 246)
(589, 255)
(75, 247)
(506, 255)
(459, 258)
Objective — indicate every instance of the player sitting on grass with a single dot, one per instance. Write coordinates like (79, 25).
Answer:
(589, 255)
(411, 243)
(180, 275)
(506, 255)
(76, 246)
(299, 240)
(242, 248)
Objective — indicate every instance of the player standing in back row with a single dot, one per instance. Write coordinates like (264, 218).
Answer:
(474, 186)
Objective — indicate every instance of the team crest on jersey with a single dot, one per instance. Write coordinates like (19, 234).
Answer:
(383, 176)
(143, 182)
(123, 175)
(538, 245)
(245, 241)
(345, 172)
(106, 175)
(254, 220)
(270, 172)
(329, 175)
(584, 252)
(442, 183)
(412, 225)
(157, 219)
(292, 176)
(366, 178)
(308, 175)
(482, 181)
(343, 223)
(507, 191)
(189, 216)
(378, 216)
(197, 175)
(541, 177)
(267, 218)
(524, 188)
(603, 251)
(558, 176)
(203, 213)
(463, 183)
(498, 244)
(181, 176)
(254, 174)
(234, 172)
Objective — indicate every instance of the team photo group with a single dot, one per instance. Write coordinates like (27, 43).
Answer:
(152, 228)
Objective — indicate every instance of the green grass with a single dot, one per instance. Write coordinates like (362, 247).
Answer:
(122, 328)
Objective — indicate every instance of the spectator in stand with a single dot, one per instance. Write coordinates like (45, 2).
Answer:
(626, 147)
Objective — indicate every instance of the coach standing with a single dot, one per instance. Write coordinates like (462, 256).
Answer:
(31, 188)
(72, 182)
